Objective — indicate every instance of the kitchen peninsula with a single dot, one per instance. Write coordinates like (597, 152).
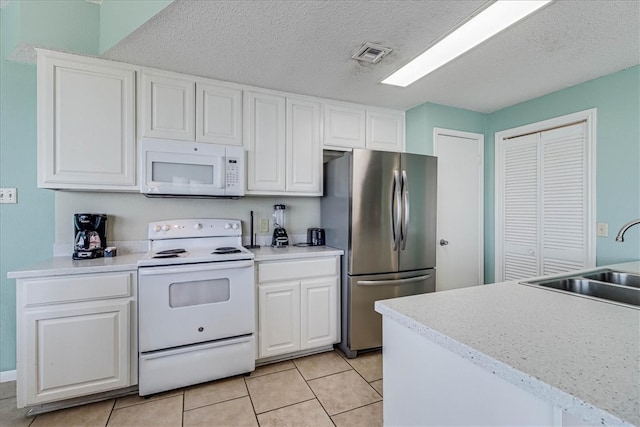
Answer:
(511, 354)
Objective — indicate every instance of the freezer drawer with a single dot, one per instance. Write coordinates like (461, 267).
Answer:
(364, 327)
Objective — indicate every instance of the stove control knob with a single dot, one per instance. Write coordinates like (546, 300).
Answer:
(197, 226)
(227, 226)
(235, 226)
(166, 227)
(157, 228)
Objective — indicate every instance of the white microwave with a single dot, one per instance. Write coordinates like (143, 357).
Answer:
(190, 169)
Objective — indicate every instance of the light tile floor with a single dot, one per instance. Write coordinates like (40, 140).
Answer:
(325, 389)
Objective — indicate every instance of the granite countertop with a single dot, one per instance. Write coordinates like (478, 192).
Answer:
(268, 253)
(577, 353)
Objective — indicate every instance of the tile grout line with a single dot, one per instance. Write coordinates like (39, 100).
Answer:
(111, 412)
(314, 394)
(253, 408)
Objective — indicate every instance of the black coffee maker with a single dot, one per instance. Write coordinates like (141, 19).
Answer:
(90, 231)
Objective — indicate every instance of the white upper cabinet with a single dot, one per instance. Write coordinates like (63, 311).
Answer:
(344, 126)
(167, 106)
(385, 130)
(303, 151)
(218, 114)
(182, 107)
(348, 126)
(282, 139)
(265, 141)
(86, 123)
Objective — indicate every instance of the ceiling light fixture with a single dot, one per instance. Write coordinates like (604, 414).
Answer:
(495, 18)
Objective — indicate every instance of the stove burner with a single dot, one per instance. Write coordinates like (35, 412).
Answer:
(172, 251)
(170, 255)
(226, 250)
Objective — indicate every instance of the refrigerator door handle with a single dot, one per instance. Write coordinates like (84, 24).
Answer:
(404, 230)
(396, 212)
(393, 282)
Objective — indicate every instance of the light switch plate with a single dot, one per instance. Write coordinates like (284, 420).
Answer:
(603, 229)
(264, 225)
(8, 195)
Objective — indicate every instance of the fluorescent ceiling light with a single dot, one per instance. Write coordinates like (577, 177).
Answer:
(488, 23)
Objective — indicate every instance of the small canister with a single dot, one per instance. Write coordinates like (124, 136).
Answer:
(315, 236)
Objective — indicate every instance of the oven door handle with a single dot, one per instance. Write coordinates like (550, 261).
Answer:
(149, 271)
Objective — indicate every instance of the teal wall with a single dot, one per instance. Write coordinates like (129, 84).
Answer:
(27, 228)
(617, 99)
(421, 120)
(118, 18)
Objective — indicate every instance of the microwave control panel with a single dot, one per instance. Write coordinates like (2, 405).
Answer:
(233, 173)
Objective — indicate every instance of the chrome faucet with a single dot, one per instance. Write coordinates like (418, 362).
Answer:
(619, 237)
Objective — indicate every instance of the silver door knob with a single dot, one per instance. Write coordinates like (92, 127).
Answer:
(444, 242)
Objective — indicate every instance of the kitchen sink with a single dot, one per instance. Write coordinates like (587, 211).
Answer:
(604, 284)
(610, 276)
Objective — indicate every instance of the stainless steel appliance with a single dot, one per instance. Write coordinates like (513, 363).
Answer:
(280, 238)
(315, 236)
(196, 304)
(90, 235)
(380, 208)
(190, 169)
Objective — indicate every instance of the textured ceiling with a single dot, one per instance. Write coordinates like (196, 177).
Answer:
(305, 47)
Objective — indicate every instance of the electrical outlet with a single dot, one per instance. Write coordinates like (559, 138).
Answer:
(603, 229)
(264, 225)
(8, 195)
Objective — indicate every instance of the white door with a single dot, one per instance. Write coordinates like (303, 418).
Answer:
(460, 234)
(344, 126)
(279, 318)
(318, 312)
(385, 130)
(218, 114)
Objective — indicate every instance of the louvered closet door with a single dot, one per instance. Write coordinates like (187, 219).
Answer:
(564, 199)
(545, 200)
(520, 207)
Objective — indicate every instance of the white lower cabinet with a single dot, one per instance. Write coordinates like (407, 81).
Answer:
(76, 336)
(297, 305)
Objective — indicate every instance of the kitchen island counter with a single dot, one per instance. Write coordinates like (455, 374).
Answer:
(574, 353)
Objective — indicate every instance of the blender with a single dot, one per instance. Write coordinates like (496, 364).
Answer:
(280, 238)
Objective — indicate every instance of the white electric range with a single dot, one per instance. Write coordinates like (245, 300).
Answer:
(196, 304)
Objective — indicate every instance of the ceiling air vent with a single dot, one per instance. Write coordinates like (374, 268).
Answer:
(371, 53)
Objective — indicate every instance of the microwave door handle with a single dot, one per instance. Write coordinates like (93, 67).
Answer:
(404, 231)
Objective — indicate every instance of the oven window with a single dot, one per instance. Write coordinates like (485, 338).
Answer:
(182, 173)
(185, 294)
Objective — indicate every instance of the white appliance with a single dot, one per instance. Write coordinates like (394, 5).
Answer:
(196, 304)
(191, 169)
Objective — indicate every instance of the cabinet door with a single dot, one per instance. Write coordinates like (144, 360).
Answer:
(167, 106)
(218, 114)
(86, 133)
(77, 350)
(304, 154)
(344, 126)
(318, 313)
(279, 318)
(265, 139)
(385, 130)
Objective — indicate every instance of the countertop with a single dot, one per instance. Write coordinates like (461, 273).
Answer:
(268, 253)
(577, 353)
(64, 265)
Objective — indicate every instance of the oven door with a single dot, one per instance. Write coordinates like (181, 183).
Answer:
(194, 303)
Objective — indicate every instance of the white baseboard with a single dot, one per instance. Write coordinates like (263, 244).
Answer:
(6, 376)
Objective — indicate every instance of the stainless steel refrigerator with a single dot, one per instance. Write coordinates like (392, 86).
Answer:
(380, 208)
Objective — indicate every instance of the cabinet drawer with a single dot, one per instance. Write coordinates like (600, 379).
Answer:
(76, 288)
(298, 269)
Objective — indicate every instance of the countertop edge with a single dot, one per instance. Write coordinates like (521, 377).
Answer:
(540, 389)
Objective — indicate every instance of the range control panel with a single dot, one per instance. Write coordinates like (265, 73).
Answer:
(197, 227)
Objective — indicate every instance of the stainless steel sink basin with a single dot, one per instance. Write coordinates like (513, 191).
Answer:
(604, 284)
(610, 276)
